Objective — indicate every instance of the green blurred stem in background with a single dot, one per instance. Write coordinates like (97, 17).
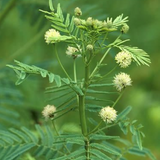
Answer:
(7, 9)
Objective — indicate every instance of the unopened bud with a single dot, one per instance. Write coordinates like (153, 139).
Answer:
(89, 21)
(125, 28)
(89, 47)
(77, 21)
(77, 11)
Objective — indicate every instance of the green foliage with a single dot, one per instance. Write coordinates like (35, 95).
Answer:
(79, 96)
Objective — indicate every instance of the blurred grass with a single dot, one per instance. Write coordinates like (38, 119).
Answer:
(22, 30)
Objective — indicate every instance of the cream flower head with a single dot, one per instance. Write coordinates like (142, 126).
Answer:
(48, 112)
(121, 81)
(50, 34)
(108, 114)
(124, 59)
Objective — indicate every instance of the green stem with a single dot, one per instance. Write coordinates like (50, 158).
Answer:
(120, 95)
(87, 149)
(54, 126)
(97, 66)
(108, 126)
(7, 9)
(55, 129)
(82, 115)
(61, 64)
(86, 79)
(96, 127)
(74, 71)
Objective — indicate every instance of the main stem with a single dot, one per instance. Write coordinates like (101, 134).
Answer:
(100, 62)
(82, 111)
(82, 115)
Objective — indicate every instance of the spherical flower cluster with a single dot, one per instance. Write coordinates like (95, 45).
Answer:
(121, 81)
(108, 114)
(71, 51)
(124, 59)
(48, 112)
(50, 34)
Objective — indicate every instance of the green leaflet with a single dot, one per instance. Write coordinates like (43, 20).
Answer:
(138, 55)
(99, 154)
(24, 137)
(149, 154)
(99, 92)
(51, 5)
(120, 20)
(20, 150)
(10, 135)
(98, 99)
(30, 134)
(136, 151)
(101, 85)
(44, 140)
(123, 114)
(74, 154)
(105, 148)
(138, 139)
(23, 70)
(63, 24)
(102, 137)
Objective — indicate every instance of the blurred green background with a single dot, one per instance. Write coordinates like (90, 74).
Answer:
(22, 29)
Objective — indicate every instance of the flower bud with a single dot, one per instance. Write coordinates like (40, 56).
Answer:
(77, 11)
(125, 28)
(77, 21)
(89, 47)
(89, 21)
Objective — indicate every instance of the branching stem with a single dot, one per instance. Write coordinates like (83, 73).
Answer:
(54, 126)
(100, 62)
(59, 61)
(120, 95)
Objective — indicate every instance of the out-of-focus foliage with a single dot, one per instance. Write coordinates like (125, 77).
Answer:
(22, 29)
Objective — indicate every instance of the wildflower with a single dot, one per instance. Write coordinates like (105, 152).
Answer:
(124, 59)
(108, 114)
(48, 112)
(121, 81)
(50, 35)
(71, 51)
(77, 11)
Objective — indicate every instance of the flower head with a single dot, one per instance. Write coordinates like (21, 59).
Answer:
(108, 114)
(71, 51)
(50, 35)
(121, 81)
(124, 59)
(48, 112)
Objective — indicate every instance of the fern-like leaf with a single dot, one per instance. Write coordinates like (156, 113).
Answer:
(138, 55)
(63, 24)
